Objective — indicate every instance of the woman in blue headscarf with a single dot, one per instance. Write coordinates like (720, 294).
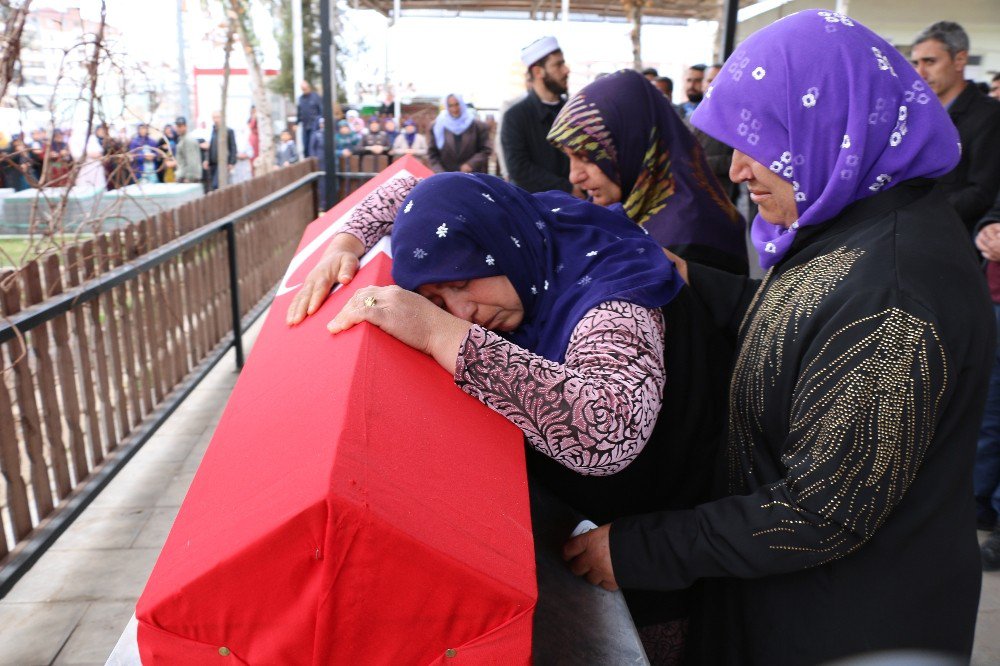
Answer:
(544, 307)
(459, 141)
(555, 313)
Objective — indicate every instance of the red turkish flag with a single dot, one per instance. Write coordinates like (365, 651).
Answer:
(354, 506)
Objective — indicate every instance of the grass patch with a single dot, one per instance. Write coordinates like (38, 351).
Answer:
(19, 250)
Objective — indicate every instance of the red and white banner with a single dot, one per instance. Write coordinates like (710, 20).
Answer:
(353, 507)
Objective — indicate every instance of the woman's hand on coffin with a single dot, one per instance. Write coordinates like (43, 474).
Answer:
(589, 555)
(339, 263)
(408, 317)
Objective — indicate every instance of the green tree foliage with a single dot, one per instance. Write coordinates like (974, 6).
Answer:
(284, 84)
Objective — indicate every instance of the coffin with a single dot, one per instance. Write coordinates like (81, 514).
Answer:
(353, 507)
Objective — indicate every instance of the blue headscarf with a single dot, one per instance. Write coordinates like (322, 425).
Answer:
(564, 256)
(445, 121)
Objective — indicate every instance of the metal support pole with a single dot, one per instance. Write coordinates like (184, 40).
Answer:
(328, 53)
(397, 7)
(729, 34)
(565, 12)
(182, 67)
(234, 294)
(298, 64)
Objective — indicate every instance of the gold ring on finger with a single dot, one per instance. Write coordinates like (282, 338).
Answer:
(370, 302)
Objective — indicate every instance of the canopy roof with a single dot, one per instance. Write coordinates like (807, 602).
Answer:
(662, 9)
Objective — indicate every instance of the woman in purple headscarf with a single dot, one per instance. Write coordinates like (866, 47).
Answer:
(862, 366)
(628, 148)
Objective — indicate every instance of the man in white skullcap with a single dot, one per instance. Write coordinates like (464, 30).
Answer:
(531, 161)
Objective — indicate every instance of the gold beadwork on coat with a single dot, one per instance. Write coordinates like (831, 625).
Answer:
(863, 411)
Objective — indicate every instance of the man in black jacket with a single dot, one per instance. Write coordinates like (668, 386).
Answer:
(940, 54)
(532, 162)
(308, 112)
(211, 164)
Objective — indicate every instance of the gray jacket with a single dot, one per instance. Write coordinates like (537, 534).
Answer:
(188, 159)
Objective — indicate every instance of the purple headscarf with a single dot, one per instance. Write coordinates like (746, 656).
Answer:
(833, 109)
(562, 255)
(630, 131)
(446, 121)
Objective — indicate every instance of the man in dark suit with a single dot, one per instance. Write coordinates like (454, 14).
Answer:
(940, 54)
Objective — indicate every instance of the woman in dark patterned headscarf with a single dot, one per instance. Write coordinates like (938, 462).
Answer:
(628, 147)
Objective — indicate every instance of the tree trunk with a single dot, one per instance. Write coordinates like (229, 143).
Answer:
(222, 131)
(10, 46)
(633, 9)
(262, 101)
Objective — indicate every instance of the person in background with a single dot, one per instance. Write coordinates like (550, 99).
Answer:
(388, 107)
(170, 136)
(710, 73)
(531, 162)
(347, 140)
(211, 164)
(144, 151)
(940, 54)
(666, 86)
(410, 142)
(694, 80)
(986, 477)
(317, 143)
(376, 141)
(718, 154)
(243, 170)
(188, 156)
(308, 112)
(287, 154)
(58, 162)
(389, 127)
(37, 147)
(354, 120)
(15, 162)
(995, 87)
(459, 140)
(90, 154)
(651, 74)
(117, 171)
(168, 151)
(254, 137)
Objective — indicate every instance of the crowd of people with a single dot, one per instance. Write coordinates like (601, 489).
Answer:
(106, 159)
(786, 470)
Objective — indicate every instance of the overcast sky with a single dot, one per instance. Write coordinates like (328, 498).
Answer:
(477, 57)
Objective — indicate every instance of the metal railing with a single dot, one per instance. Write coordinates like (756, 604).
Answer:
(145, 331)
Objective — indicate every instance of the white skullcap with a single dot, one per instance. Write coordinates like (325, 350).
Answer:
(538, 49)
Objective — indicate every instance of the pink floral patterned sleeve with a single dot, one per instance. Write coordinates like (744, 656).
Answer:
(372, 219)
(595, 412)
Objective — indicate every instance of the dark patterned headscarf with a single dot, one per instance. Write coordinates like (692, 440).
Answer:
(832, 108)
(631, 132)
(564, 256)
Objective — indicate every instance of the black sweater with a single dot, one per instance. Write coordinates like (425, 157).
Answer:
(847, 521)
